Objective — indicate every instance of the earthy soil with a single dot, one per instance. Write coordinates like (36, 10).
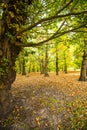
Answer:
(48, 103)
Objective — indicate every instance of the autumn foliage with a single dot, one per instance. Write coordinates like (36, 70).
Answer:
(52, 103)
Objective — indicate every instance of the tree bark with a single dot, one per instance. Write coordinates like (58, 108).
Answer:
(83, 73)
(7, 75)
(8, 55)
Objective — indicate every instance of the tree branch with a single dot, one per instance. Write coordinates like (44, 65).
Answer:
(65, 6)
(48, 19)
(71, 30)
(54, 36)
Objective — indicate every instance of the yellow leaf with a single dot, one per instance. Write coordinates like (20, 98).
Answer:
(18, 37)
(11, 14)
(17, 27)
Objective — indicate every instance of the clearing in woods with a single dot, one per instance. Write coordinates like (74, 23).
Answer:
(50, 103)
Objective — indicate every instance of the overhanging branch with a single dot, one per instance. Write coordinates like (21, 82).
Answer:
(54, 36)
(48, 19)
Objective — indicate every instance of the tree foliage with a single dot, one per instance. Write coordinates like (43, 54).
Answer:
(30, 25)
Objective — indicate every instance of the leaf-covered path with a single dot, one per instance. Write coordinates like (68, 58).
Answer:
(50, 103)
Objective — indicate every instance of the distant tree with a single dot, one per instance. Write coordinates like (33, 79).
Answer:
(23, 72)
(46, 61)
(42, 65)
(57, 64)
(83, 73)
(29, 70)
(65, 63)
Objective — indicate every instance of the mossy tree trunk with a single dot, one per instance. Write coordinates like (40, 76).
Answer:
(9, 24)
(7, 74)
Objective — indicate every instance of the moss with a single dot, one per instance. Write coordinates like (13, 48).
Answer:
(4, 65)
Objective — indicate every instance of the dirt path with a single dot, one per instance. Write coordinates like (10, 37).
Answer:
(47, 103)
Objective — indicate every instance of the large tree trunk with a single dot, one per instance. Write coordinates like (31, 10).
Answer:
(8, 53)
(83, 73)
(7, 75)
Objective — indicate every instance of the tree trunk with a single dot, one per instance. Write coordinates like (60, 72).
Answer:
(42, 66)
(29, 70)
(23, 67)
(57, 69)
(65, 64)
(37, 69)
(33, 68)
(46, 62)
(7, 75)
(83, 73)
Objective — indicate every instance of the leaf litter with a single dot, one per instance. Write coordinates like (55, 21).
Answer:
(50, 103)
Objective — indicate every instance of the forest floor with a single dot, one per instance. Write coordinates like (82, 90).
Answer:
(50, 103)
